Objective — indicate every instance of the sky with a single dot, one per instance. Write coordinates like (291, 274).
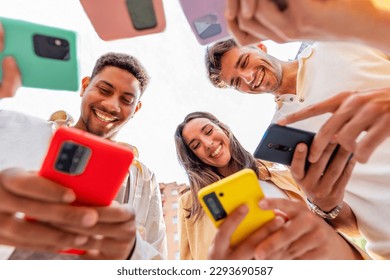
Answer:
(179, 84)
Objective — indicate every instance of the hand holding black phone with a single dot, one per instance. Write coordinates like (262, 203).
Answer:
(279, 142)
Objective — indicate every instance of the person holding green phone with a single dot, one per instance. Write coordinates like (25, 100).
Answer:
(11, 79)
(208, 151)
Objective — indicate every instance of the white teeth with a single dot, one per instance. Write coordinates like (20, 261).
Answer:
(216, 152)
(104, 118)
(260, 79)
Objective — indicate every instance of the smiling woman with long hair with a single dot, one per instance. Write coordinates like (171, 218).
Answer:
(208, 151)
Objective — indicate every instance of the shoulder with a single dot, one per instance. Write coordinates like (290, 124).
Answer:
(30, 126)
(185, 200)
(22, 118)
(348, 49)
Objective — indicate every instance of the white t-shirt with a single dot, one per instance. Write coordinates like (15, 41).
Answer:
(325, 70)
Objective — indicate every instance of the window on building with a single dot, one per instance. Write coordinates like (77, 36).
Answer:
(174, 192)
(177, 255)
(175, 205)
(176, 236)
(174, 220)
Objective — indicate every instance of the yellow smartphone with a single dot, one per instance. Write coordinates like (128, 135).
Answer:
(221, 198)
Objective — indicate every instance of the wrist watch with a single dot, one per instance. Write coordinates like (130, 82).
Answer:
(330, 215)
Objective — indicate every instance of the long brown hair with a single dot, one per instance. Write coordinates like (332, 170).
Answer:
(201, 174)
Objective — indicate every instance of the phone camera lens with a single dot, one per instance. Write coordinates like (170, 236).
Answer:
(57, 42)
(221, 194)
(270, 145)
(63, 156)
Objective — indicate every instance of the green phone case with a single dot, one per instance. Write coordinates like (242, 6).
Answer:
(38, 71)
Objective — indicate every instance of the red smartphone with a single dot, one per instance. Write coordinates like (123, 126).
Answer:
(93, 167)
(118, 19)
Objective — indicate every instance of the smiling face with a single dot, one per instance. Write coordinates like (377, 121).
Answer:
(109, 100)
(250, 70)
(208, 142)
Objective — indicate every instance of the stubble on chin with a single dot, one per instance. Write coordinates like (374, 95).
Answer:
(89, 129)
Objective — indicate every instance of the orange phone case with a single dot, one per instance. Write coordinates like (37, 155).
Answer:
(104, 167)
(112, 19)
(222, 197)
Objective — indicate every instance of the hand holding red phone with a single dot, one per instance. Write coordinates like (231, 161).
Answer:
(45, 201)
(93, 167)
(112, 237)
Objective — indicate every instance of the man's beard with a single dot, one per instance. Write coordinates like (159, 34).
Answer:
(96, 132)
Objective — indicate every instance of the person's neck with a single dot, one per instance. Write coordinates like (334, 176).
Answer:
(80, 125)
(227, 170)
(289, 79)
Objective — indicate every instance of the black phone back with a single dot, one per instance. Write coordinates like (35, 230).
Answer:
(279, 142)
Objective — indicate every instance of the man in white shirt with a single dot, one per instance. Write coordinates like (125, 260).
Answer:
(322, 71)
(133, 230)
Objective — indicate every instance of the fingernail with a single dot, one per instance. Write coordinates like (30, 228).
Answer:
(263, 204)
(282, 121)
(279, 221)
(243, 209)
(89, 219)
(93, 252)
(301, 148)
(80, 240)
(68, 197)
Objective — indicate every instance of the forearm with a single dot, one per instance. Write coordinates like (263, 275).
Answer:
(372, 30)
(345, 222)
(348, 250)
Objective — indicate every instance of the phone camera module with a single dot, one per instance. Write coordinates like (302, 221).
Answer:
(72, 158)
(51, 47)
(215, 206)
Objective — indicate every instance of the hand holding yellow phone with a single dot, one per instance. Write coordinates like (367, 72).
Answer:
(221, 198)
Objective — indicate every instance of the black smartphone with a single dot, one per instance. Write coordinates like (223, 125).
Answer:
(279, 142)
